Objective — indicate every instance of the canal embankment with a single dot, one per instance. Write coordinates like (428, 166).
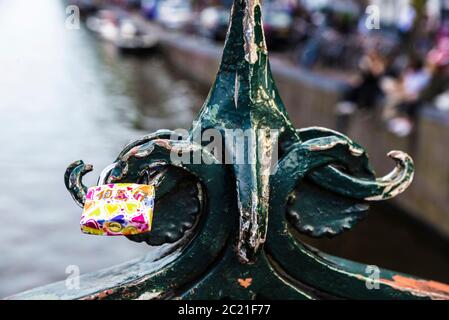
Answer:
(310, 99)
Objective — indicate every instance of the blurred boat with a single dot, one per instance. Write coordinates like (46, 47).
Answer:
(127, 34)
(134, 39)
(104, 24)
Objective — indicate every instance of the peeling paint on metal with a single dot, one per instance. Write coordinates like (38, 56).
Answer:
(245, 283)
(422, 288)
(397, 181)
(150, 295)
(249, 25)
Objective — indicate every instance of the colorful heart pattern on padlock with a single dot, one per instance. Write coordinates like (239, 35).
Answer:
(118, 209)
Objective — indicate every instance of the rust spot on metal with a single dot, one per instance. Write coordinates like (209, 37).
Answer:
(432, 289)
(245, 283)
(100, 295)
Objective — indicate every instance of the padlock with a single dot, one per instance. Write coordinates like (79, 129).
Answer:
(118, 209)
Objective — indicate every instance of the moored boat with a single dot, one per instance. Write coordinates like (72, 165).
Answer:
(126, 33)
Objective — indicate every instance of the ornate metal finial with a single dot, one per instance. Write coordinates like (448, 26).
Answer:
(232, 223)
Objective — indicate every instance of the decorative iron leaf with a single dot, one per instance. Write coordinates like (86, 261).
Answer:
(321, 210)
(318, 212)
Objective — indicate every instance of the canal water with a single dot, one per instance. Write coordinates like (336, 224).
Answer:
(64, 96)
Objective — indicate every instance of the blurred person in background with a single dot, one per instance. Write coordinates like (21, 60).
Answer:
(302, 24)
(319, 25)
(365, 91)
(329, 32)
(422, 87)
(406, 88)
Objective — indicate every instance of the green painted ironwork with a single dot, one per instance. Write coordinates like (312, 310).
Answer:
(227, 230)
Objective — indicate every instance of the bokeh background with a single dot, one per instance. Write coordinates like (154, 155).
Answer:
(376, 69)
